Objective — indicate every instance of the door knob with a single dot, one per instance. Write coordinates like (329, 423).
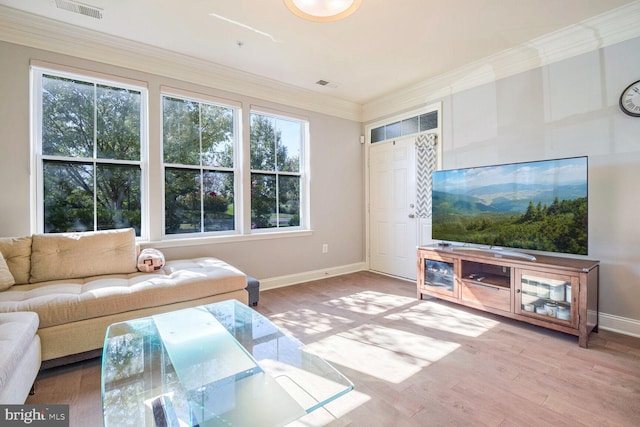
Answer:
(412, 215)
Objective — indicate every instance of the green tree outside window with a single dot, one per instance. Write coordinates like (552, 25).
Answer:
(91, 168)
(276, 146)
(198, 150)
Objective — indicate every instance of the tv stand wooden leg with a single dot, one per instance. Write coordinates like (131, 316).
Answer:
(583, 340)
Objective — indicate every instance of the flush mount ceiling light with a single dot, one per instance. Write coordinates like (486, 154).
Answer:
(322, 10)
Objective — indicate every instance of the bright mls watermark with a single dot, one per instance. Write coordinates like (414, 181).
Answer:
(34, 415)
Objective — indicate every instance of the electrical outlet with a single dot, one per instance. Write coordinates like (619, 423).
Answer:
(325, 248)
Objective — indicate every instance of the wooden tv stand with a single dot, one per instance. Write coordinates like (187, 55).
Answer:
(554, 292)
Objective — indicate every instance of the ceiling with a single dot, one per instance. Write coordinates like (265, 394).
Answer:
(383, 47)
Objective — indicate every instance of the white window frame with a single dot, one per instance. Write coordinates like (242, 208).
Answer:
(305, 209)
(37, 70)
(237, 161)
(153, 229)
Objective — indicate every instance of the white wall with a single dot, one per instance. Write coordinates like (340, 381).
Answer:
(569, 108)
(337, 186)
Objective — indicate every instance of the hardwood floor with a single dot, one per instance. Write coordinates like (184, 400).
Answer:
(424, 363)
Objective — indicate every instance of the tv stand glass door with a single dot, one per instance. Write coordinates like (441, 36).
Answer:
(436, 274)
(548, 297)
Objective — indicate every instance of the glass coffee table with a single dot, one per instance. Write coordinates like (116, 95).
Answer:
(222, 364)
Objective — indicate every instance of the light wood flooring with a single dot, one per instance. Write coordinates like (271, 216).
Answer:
(424, 363)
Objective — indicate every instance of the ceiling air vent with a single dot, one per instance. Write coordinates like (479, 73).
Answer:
(322, 82)
(81, 8)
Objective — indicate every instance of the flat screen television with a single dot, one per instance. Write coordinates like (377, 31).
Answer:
(538, 205)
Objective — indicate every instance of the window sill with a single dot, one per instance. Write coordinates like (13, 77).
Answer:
(211, 240)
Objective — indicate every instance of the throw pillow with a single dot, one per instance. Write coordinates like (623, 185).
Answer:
(17, 254)
(58, 256)
(6, 278)
(150, 260)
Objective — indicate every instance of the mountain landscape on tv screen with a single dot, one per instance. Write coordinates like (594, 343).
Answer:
(545, 216)
(504, 198)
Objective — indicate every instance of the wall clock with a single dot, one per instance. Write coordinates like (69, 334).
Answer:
(630, 99)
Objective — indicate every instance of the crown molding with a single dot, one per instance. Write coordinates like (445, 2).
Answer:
(37, 32)
(603, 30)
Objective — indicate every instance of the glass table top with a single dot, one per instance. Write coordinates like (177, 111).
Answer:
(222, 364)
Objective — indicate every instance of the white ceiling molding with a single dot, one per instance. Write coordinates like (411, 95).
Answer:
(612, 27)
(33, 31)
(41, 33)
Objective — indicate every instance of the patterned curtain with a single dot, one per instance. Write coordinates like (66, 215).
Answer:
(425, 165)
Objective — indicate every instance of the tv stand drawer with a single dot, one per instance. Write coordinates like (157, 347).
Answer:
(482, 295)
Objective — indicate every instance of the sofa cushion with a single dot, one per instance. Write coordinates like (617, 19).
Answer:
(17, 331)
(74, 255)
(72, 300)
(17, 253)
(6, 279)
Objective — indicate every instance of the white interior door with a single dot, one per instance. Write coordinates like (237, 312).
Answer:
(392, 224)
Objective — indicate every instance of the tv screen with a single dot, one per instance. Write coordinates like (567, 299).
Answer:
(539, 205)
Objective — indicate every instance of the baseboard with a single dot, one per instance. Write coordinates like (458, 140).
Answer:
(621, 325)
(308, 276)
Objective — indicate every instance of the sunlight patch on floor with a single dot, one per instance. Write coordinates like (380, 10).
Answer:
(370, 360)
(311, 321)
(385, 353)
(369, 302)
(436, 316)
(415, 345)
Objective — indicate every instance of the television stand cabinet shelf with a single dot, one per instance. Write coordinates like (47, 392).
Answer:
(559, 293)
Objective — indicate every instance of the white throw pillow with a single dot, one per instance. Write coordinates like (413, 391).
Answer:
(150, 260)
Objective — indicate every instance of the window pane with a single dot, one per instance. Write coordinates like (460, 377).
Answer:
(410, 126)
(263, 201)
(118, 197)
(182, 201)
(218, 201)
(289, 135)
(68, 197)
(217, 136)
(393, 130)
(377, 134)
(277, 171)
(85, 121)
(67, 117)
(429, 121)
(263, 143)
(289, 195)
(118, 123)
(181, 135)
(202, 135)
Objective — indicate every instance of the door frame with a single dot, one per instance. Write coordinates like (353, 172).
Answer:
(367, 161)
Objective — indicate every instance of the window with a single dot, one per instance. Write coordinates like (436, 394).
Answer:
(216, 177)
(199, 144)
(411, 125)
(277, 170)
(89, 144)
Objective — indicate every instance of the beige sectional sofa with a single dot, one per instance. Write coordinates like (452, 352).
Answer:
(80, 283)
(19, 355)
